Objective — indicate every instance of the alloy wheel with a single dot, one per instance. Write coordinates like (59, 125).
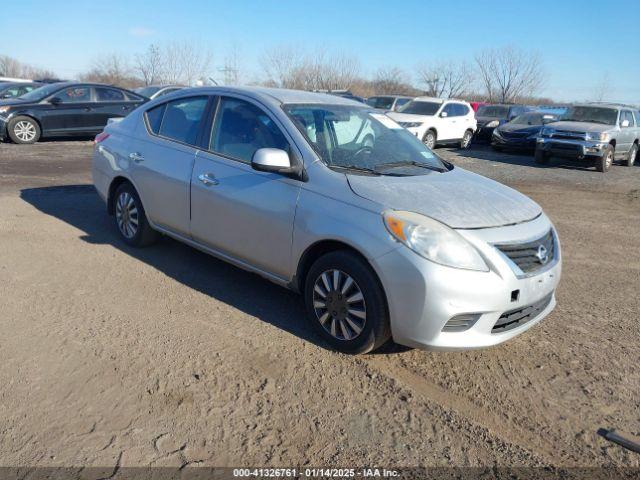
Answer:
(339, 305)
(466, 139)
(430, 140)
(632, 157)
(608, 160)
(25, 131)
(127, 215)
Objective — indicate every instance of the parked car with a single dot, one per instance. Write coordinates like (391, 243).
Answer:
(14, 89)
(598, 132)
(521, 132)
(155, 91)
(492, 116)
(438, 121)
(388, 102)
(64, 109)
(383, 240)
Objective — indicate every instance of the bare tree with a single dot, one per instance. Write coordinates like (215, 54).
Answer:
(10, 67)
(446, 79)
(112, 69)
(185, 63)
(509, 73)
(282, 66)
(232, 70)
(389, 80)
(602, 88)
(149, 65)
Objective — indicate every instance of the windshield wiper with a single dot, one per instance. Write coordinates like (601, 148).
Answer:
(356, 168)
(411, 163)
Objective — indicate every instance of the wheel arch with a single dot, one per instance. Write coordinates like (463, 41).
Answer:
(30, 117)
(113, 186)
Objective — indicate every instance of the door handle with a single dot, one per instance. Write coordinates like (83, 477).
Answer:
(125, 107)
(136, 157)
(208, 179)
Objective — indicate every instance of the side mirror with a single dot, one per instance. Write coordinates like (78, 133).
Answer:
(625, 124)
(6, 95)
(274, 160)
(444, 114)
(55, 101)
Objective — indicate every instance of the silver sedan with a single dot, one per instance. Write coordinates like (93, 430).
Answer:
(333, 199)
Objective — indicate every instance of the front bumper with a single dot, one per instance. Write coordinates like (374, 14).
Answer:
(484, 133)
(3, 129)
(423, 296)
(577, 149)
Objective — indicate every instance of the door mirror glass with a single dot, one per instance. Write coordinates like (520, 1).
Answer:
(271, 160)
(444, 114)
(55, 101)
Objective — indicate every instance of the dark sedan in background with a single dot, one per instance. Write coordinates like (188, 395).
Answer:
(64, 109)
(492, 116)
(16, 89)
(521, 132)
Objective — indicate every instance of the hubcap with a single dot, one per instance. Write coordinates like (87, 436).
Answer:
(429, 140)
(609, 160)
(339, 305)
(466, 140)
(632, 157)
(127, 215)
(25, 131)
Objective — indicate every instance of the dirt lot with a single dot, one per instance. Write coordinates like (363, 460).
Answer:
(112, 356)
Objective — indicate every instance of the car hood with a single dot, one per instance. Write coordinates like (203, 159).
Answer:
(408, 117)
(511, 127)
(13, 101)
(458, 198)
(580, 126)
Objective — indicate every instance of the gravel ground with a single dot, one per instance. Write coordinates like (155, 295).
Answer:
(117, 357)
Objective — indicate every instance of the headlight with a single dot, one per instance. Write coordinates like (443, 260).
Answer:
(493, 123)
(433, 240)
(4, 109)
(598, 136)
(546, 132)
(410, 124)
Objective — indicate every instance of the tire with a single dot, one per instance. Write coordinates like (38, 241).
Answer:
(541, 158)
(329, 309)
(128, 210)
(603, 163)
(24, 130)
(496, 148)
(633, 153)
(466, 140)
(430, 138)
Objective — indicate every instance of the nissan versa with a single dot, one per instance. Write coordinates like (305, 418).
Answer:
(335, 200)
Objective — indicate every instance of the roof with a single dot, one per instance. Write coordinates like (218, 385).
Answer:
(278, 95)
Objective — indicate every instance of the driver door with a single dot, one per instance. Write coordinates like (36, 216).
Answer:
(73, 113)
(447, 125)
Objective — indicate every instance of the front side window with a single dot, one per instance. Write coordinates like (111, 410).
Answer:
(354, 137)
(109, 95)
(241, 128)
(74, 95)
(462, 109)
(627, 115)
(451, 110)
(419, 107)
(181, 119)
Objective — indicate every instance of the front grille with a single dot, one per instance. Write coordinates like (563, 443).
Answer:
(515, 134)
(531, 256)
(517, 318)
(569, 135)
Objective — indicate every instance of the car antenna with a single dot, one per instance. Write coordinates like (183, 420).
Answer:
(615, 437)
(213, 81)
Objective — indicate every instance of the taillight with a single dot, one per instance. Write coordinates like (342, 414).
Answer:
(101, 137)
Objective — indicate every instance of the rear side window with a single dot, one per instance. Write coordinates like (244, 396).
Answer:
(182, 118)
(109, 95)
(462, 109)
(241, 128)
(132, 97)
(154, 118)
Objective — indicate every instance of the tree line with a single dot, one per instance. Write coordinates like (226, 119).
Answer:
(506, 74)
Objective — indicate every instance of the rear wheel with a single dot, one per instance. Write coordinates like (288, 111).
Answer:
(631, 159)
(541, 157)
(466, 139)
(430, 139)
(24, 130)
(346, 304)
(603, 163)
(131, 218)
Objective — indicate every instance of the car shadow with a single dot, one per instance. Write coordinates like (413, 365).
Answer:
(81, 207)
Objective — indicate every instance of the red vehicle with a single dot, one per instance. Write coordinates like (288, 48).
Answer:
(477, 105)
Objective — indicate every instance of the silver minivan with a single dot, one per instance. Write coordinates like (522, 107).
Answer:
(333, 199)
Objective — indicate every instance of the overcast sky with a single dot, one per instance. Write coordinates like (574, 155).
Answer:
(579, 41)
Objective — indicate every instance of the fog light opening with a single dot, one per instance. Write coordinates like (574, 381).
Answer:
(460, 323)
(515, 295)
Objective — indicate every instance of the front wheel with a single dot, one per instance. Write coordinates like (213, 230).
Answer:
(429, 139)
(24, 130)
(466, 139)
(631, 159)
(346, 304)
(541, 157)
(603, 163)
(131, 218)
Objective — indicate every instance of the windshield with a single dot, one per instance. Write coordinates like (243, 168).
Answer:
(493, 111)
(41, 93)
(607, 116)
(360, 138)
(419, 107)
(147, 91)
(527, 119)
(380, 102)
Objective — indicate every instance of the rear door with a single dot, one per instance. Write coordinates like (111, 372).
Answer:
(236, 210)
(110, 103)
(161, 159)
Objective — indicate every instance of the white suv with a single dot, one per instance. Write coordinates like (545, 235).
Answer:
(437, 120)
